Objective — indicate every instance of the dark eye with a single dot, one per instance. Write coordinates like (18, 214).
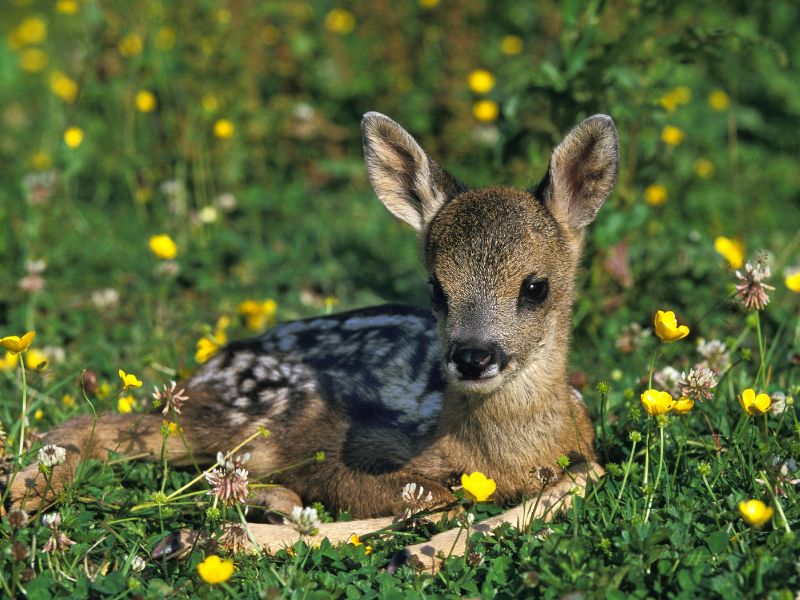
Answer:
(533, 292)
(438, 297)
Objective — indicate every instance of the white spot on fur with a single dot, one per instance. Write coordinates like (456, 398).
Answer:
(237, 418)
(242, 361)
(388, 320)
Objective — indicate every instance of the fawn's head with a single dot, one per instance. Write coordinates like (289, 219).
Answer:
(502, 261)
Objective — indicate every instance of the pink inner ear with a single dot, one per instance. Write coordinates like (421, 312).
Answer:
(583, 173)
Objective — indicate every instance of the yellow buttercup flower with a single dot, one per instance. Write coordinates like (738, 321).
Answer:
(38, 415)
(258, 314)
(209, 345)
(33, 60)
(480, 81)
(675, 97)
(477, 486)
(671, 135)
(703, 168)
(64, 87)
(214, 570)
(15, 344)
(356, 541)
(41, 161)
(145, 101)
(719, 100)
(210, 103)
(667, 328)
(67, 7)
(165, 38)
(792, 281)
(755, 512)
(73, 137)
(129, 380)
(486, 110)
(511, 45)
(104, 390)
(754, 405)
(32, 30)
(428, 3)
(224, 129)
(732, 250)
(340, 21)
(68, 401)
(131, 45)
(125, 404)
(9, 361)
(163, 246)
(656, 402)
(34, 359)
(171, 427)
(655, 194)
(683, 406)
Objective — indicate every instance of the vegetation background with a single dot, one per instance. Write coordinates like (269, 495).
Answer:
(233, 127)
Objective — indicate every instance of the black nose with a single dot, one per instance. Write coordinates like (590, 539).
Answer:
(475, 359)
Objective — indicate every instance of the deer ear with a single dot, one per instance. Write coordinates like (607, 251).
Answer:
(411, 185)
(582, 172)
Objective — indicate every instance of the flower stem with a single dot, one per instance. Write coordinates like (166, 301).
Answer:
(624, 481)
(656, 352)
(713, 497)
(171, 496)
(647, 453)
(761, 369)
(658, 474)
(24, 412)
(777, 502)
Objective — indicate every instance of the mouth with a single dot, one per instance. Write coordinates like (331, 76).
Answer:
(486, 381)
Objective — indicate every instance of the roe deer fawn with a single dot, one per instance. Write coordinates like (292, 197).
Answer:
(395, 395)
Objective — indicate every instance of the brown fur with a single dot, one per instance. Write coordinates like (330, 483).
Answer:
(478, 246)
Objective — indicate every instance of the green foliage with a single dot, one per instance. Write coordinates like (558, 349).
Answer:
(281, 209)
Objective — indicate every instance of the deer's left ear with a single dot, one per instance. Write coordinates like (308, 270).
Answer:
(582, 173)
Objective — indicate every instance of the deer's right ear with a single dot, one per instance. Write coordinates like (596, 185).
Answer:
(411, 185)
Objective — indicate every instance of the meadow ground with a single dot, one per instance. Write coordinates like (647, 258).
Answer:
(231, 128)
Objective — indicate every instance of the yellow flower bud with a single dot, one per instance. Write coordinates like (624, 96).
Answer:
(480, 81)
(655, 194)
(511, 45)
(486, 110)
(163, 247)
(671, 135)
(73, 137)
(224, 129)
(718, 100)
(145, 101)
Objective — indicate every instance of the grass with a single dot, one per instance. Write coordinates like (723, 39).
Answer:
(282, 210)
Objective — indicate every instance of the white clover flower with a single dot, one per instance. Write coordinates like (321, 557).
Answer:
(304, 520)
(51, 520)
(52, 455)
(138, 564)
(415, 499)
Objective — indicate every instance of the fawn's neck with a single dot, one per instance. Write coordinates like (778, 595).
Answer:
(511, 424)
